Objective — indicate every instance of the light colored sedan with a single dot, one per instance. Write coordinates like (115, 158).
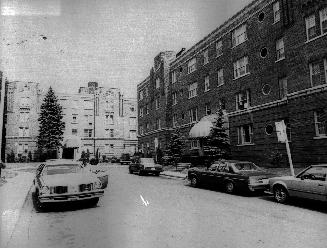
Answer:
(310, 183)
(64, 181)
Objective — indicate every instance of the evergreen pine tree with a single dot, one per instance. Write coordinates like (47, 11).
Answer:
(51, 127)
(176, 145)
(218, 139)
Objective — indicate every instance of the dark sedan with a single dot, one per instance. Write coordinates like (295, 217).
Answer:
(231, 175)
(144, 166)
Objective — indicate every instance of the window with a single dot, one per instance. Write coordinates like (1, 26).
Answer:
(239, 35)
(88, 133)
(276, 12)
(25, 148)
(132, 121)
(280, 49)
(174, 98)
(23, 132)
(195, 144)
(157, 83)
(241, 67)
(323, 21)
(173, 77)
(192, 90)
(282, 87)
(74, 118)
(88, 104)
(132, 134)
(146, 92)
(245, 134)
(316, 75)
(141, 95)
(147, 109)
(243, 100)
(315, 173)
(23, 117)
(207, 109)
(141, 130)
(74, 131)
(20, 149)
(157, 102)
(320, 118)
(220, 77)
(310, 23)
(141, 111)
(206, 57)
(112, 146)
(191, 67)
(111, 133)
(158, 124)
(222, 104)
(193, 115)
(219, 48)
(174, 120)
(24, 102)
(206, 83)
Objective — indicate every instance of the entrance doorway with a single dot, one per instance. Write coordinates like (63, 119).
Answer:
(68, 153)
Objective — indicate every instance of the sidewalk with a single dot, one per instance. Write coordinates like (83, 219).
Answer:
(12, 198)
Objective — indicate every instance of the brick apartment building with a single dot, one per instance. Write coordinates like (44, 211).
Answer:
(265, 64)
(114, 120)
(152, 105)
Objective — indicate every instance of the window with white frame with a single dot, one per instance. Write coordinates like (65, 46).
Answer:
(23, 132)
(23, 117)
(193, 115)
(222, 104)
(147, 109)
(316, 74)
(20, 149)
(206, 56)
(323, 20)
(74, 117)
(320, 118)
(141, 130)
(280, 51)
(25, 148)
(88, 133)
(276, 10)
(132, 134)
(239, 35)
(141, 111)
(195, 144)
(206, 83)
(243, 100)
(310, 23)
(219, 48)
(157, 103)
(148, 127)
(74, 131)
(174, 98)
(241, 67)
(146, 92)
(245, 134)
(158, 124)
(207, 109)
(282, 87)
(220, 77)
(111, 131)
(24, 102)
(174, 120)
(132, 121)
(157, 83)
(191, 66)
(192, 90)
(173, 77)
(141, 95)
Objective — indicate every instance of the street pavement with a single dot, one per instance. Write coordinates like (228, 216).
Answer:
(148, 211)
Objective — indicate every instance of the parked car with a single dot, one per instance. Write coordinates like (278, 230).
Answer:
(144, 166)
(310, 183)
(167, 160)
(125, 158)
(232, 175)
(64, 180)
(114, 160)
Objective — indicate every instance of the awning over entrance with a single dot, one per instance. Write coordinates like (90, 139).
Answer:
(203, 127)
(72, 141)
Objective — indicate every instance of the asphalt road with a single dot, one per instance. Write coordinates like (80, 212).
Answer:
(147, 211)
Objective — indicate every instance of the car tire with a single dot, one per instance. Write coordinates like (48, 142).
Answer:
(157, 174)
(130, 171)
(280, 194)
(194, 181)
(229, 187)
(39, 206)
(94, 201)
(141, 173)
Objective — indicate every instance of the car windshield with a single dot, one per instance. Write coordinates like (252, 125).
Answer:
(61, 169)
(246, 167)
(146, 161)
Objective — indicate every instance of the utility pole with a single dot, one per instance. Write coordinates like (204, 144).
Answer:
(2, 105)
(94, 105)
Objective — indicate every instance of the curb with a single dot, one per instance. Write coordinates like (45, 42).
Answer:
(171, 176)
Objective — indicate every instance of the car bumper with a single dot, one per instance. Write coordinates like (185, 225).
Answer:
(152, 170)
(70, 197)
(258, 187)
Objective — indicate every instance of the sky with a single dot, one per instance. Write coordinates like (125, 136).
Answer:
(67, 43)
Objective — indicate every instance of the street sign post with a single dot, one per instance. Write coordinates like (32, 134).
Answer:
(282, 137)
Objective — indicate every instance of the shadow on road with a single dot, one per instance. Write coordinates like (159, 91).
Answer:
(301, 203)
(62, 206)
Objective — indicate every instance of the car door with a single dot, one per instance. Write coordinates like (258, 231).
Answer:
(311, 184)
(210, 174)
(219, 174)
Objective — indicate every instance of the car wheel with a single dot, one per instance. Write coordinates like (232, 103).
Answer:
(38, 204)
(157, 174)
(280, 194)
(141, 173)
(130, 171)
(194, 182)
(94, 201)
(229, 187)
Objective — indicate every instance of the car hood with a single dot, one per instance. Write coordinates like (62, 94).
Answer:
(69, 179)
(151, 165)
(257, 174)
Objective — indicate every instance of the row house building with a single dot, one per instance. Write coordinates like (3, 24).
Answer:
(265, 64)
(96, 119)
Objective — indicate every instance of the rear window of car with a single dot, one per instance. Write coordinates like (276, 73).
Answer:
(147, 160)
(245, 166)
(61, 169)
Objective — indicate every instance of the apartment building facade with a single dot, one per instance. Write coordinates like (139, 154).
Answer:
(265, 64)
(152, 105)
(96, 119)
